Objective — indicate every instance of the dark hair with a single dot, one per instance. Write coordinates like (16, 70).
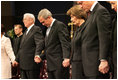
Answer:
(2, 28)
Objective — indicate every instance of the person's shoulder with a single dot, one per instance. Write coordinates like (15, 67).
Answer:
(59, 22)
(36, 27)
(101, 8)
(6, 38)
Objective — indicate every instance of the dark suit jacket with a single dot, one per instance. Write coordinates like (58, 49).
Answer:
(31, 45)
(57, 46)
(96, 39)
(16, 44)
(76, 45)
(114, 45)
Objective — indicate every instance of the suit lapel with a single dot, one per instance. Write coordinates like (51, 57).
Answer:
(52, 29)
(78, 31)
(87, 21)
(29, 33)
(77, 36)
(90, 17)
(23, 38)
(47, 38)
(26, 37)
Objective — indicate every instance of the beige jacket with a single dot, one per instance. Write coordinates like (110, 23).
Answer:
(7, 56)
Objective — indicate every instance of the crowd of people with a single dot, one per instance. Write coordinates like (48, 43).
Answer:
(92, 52)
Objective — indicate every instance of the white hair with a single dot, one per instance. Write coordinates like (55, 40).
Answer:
(29, 15)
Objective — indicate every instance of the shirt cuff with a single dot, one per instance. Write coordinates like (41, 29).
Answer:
(103, 60)
(37, 56)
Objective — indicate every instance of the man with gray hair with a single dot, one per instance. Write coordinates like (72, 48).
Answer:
(95, 40)
(32, 43)
(57, 46)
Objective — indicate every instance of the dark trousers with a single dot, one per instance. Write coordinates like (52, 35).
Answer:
(99, 76)
(59, 74)
(115, 72)
(30, 74)
(77, 70)
(15, 72)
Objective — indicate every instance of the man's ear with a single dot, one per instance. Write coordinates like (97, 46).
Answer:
(49, 17)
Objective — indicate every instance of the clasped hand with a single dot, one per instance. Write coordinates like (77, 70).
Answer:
(37, 59)
(66, 62)
(104, 67)
(14, 63)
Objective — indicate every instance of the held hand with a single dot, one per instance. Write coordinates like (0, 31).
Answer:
(37, 59)
(14, 64)
(66, 62)
(104, 67)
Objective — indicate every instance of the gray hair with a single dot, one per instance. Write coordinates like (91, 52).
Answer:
(44, 13)
(29, 15)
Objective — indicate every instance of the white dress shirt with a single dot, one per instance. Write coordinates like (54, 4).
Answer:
(93, 6)
(28, 29)
(49, 28)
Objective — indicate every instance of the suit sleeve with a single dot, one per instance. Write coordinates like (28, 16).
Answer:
(104, 30)
(63, 34)
(9, 50)
(39, 41)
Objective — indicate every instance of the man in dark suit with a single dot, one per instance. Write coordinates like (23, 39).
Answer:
(114, 40)
(18, 30)
(57, 46)
(32, 44)
(95, 40)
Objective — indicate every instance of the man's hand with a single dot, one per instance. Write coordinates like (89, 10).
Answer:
(104, 67)
(66, 62)
(14, 64)
(37, 59)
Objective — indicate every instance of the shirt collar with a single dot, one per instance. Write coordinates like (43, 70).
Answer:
(52, 22)
(91, 9)
(2, 38)
(30, 27)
